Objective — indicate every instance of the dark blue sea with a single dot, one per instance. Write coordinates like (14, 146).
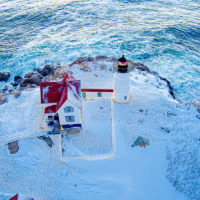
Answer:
(163, 34)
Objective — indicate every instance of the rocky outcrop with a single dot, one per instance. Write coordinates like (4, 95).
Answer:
(16, 93)
(46, 70)
(4, 76)
(83, 63)
(171, 91)
(13, 147)
(5, 89)
(59, 72)
(31, 78)
(17, 80)
(81, 60)
(140, 141)
(51, 72)
(3, 98)
(141, 67)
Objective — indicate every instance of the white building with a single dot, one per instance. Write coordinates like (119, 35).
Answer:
(121, 81)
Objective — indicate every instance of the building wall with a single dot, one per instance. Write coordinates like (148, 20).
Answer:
(96, 95)
(62, 114)
(121, 87)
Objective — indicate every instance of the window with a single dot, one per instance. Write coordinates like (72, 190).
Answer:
(99, 94)
(84, 95)
(50, 118)
(69, 109)
(70, 118)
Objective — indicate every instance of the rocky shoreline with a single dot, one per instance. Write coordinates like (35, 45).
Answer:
(50, 72)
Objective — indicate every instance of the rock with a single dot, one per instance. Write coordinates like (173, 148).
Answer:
(47, 139)
(169, 114)
(60, 72)
(46, 70)
(10, 91)
(141, 67)
(102, 66)
(4, 76)
(101, 58)
(140, 141)
(3, 98)
(13, 147)
(80, 60)
(29, 74)
(31, 78)
(171, 91)
(17, 80)
(5, 89)
(16, 93)
(83, 65)
(87, 69)
(14, 84)
(45, 79)
(165, 129)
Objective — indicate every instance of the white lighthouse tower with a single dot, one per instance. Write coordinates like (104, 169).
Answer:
(122, 81)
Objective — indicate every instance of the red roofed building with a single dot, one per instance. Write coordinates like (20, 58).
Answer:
(62, 98)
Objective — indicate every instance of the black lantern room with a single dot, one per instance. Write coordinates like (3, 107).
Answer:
(122, 65)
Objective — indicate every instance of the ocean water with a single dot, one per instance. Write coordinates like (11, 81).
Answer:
(163, 34)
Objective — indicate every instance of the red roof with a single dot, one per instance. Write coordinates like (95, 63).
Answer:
(50, 109)
(51, 91)
(96, 90)
(57, 92)
(15, 197)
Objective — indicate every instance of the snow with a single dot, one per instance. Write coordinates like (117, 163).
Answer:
(168, 168)
(19, 117)
(44, 94)
(92, 142)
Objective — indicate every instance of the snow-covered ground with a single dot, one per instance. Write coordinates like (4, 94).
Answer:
(20, 118)
(168, 168)
(91, 143)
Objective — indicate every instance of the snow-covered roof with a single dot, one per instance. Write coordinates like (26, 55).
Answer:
(58, 92)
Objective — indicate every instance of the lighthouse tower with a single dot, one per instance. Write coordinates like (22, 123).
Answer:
(122, 81)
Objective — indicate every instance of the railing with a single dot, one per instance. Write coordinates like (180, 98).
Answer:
(129, 68)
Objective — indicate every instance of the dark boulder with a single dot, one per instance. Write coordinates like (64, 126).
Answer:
(46, 70)
(4, 76)
(17, 80)
(171, 91)
(101, 58)
(29, 74)
(5, 89)
(140, 141)
(13, 147)
(142, 67)
(14, 84)
(3, 98)
(31, 78)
